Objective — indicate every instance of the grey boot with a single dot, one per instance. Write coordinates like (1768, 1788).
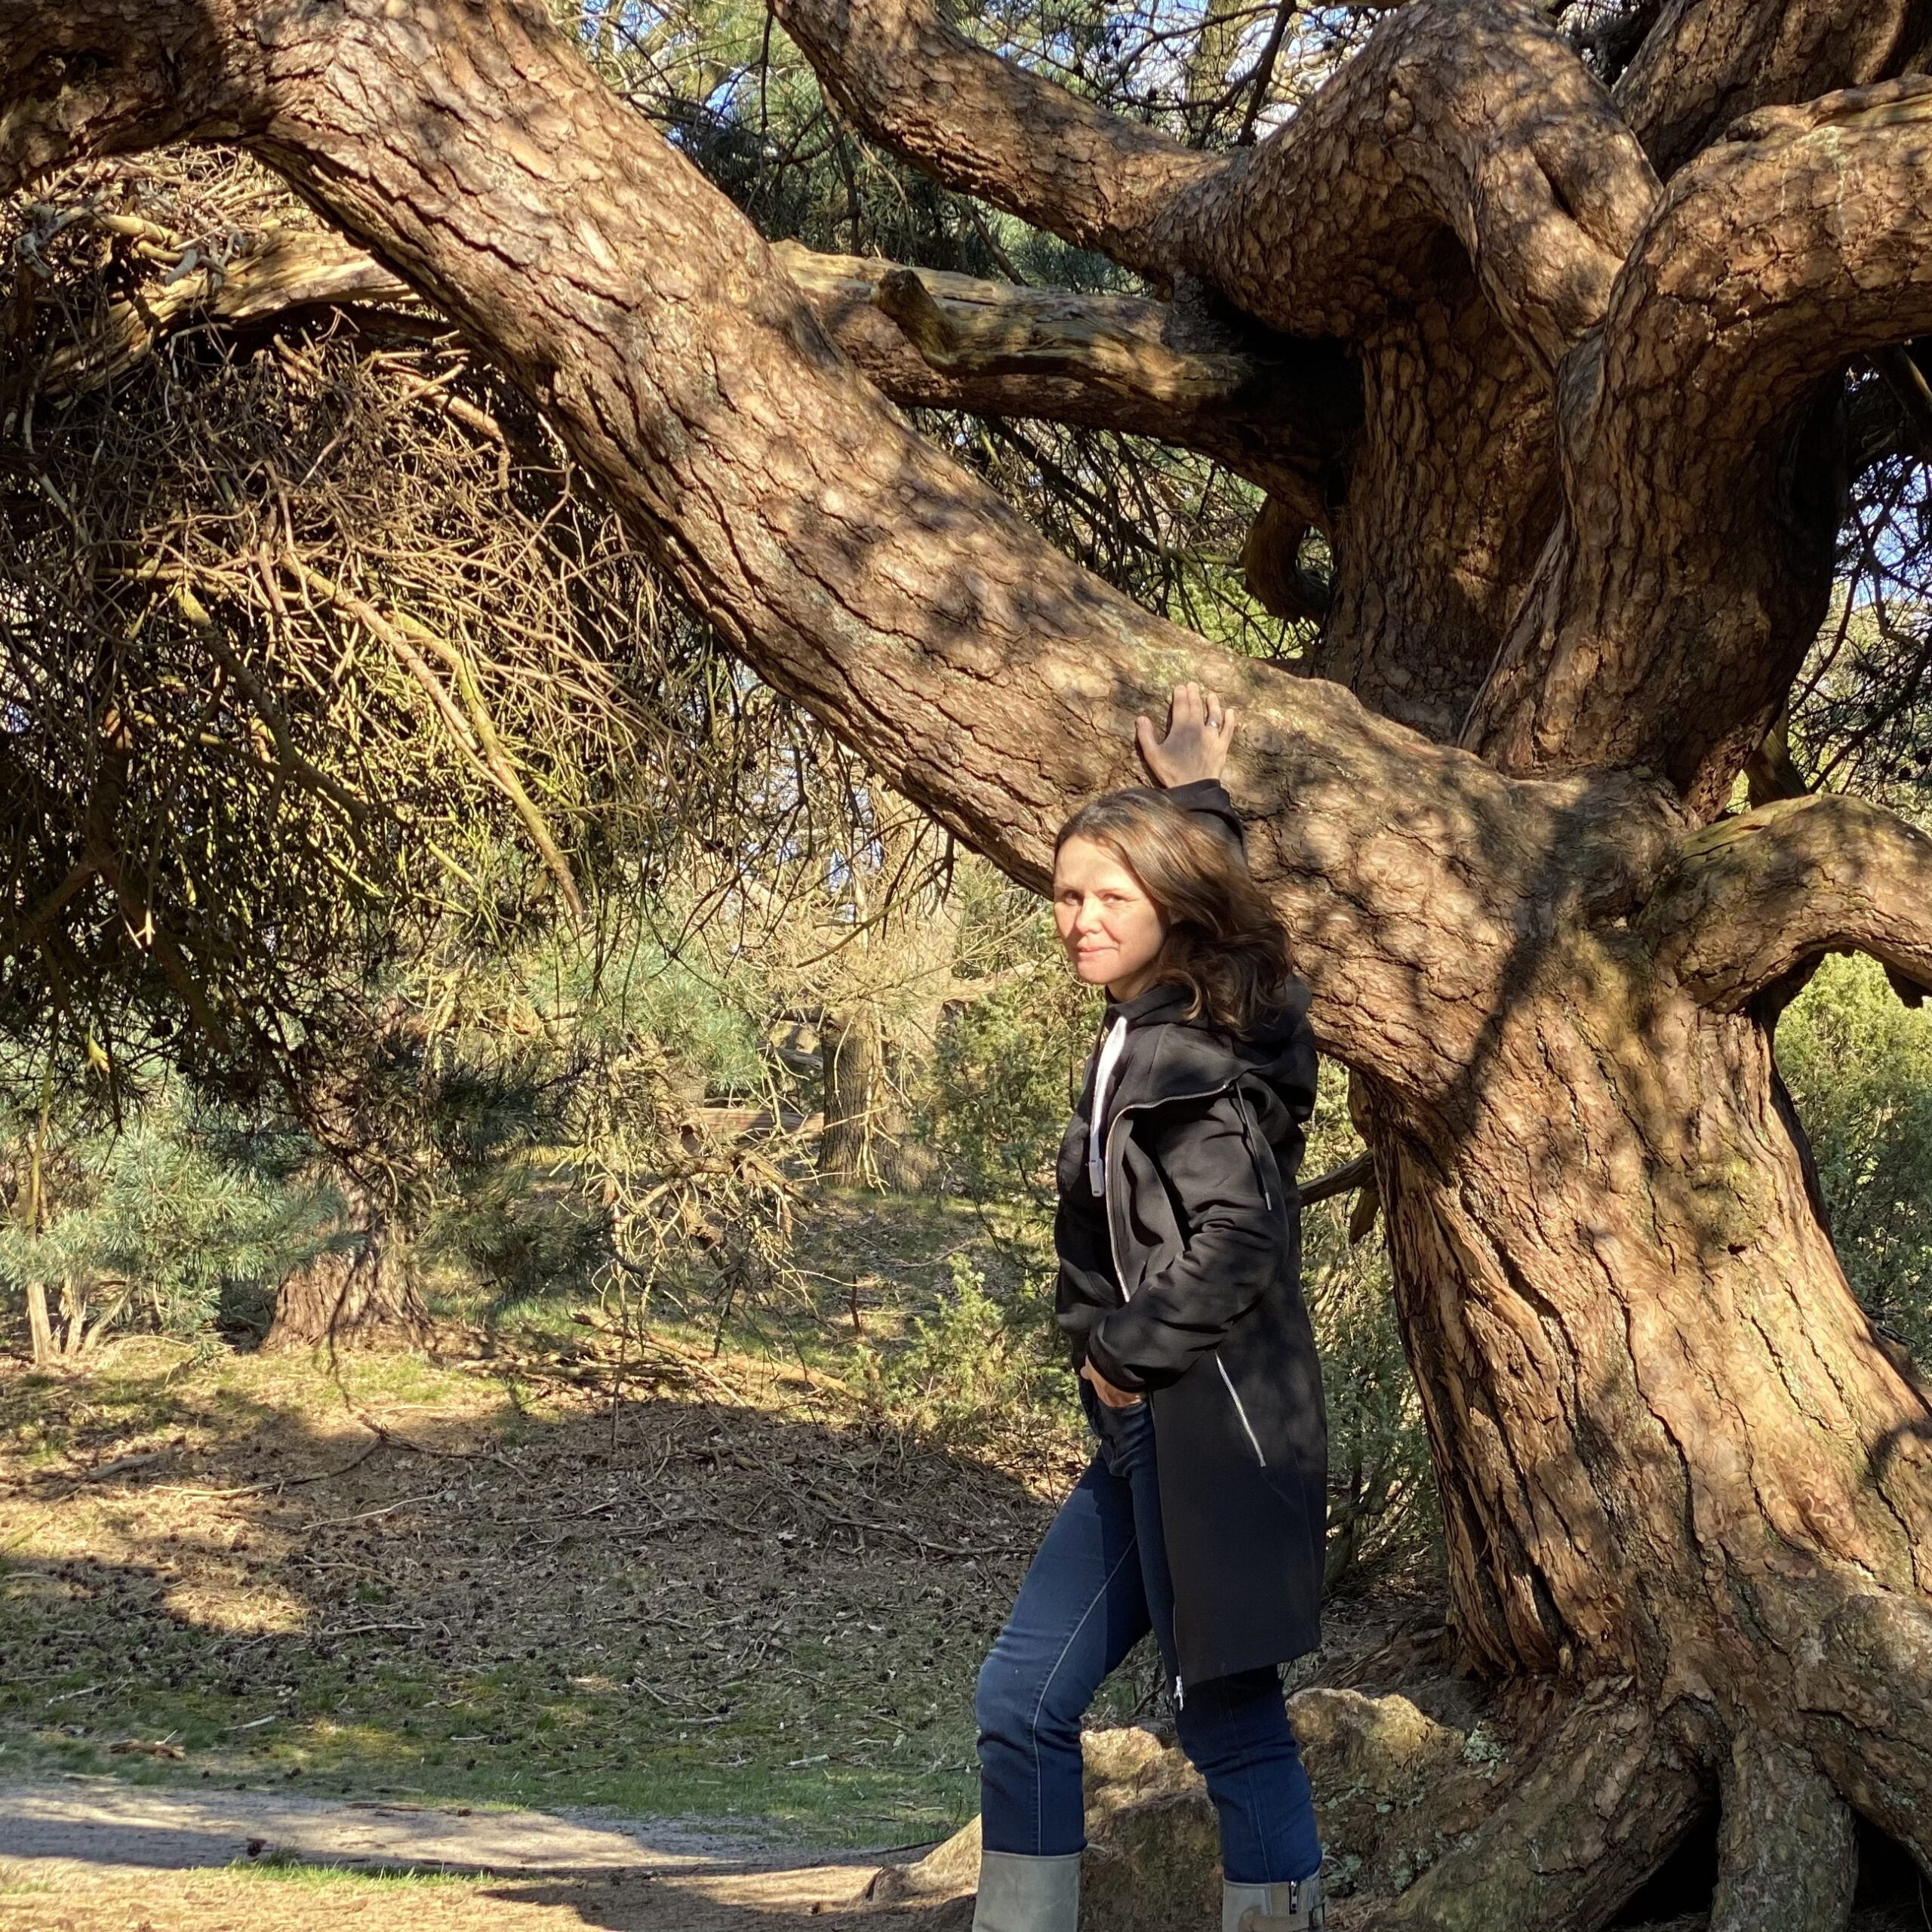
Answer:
(1290, 1908)
(1022, 1894)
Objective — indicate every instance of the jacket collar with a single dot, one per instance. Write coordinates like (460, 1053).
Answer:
(1158, 1004)
(1167, 1056)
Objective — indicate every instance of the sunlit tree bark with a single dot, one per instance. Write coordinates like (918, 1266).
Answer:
(1558, 373)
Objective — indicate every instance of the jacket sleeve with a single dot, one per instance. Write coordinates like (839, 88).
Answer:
(1231, 1252)
(1207, 798)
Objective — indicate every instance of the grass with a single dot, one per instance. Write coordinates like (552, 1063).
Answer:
(736, 1592)
(281, 1868)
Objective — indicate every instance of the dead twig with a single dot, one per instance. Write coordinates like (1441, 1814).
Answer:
(273, 1482)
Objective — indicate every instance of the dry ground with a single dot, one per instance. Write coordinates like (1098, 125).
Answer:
(289, 1899)
(88, 1855)
(714, 1598)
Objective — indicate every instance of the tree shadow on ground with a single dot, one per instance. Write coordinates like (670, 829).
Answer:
(672, 1605)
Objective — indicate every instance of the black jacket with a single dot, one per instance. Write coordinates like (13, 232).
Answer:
(1187, 1285)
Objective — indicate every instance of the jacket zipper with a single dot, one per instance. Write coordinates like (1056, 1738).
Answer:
(1249, 1128)
(1114, 1128)
(1254, 1441)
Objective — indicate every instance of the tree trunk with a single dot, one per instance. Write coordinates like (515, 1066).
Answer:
(40, 1325)
(363, 1295)
(853, 1063)
(904, 1162)
(1671, 1454)
(867, 1139)
(1698, 1305)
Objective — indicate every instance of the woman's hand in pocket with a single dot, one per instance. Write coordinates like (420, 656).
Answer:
(1113, 1398)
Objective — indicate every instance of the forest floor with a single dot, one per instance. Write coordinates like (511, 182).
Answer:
(707, 1585)
(478, 1613)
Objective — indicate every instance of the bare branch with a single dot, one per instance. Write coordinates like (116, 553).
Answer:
(1271, 562)
(289, 269)
(1667, 627)
(470, 726)
(1706, 63)
(1752, 899)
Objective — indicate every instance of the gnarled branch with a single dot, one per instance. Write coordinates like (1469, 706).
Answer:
(1706, 63)
(1751, 899)
(960, 325)
(1471, 115)
(1699, 442)
(987, 127)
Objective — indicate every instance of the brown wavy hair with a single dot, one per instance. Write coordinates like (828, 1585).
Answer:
(1225, 942)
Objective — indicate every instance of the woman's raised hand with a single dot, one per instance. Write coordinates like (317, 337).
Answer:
(1200, 729)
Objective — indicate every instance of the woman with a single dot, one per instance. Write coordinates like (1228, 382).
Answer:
(1201, 1516)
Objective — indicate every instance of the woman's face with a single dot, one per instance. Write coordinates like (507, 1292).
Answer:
(1112, 931)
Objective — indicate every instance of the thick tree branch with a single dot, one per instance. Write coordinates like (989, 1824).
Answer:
(1752, 899)
(1666, 629)
(1706, 63)
(931, 339)
(1473, 115)
(926, 339)
(967, 328)
(986, 126)
(467, 145)
(1469, 123)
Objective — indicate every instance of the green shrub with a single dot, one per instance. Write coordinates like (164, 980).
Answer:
(153, 1222)
(1858, 1065)
(1011, 1056)
(1382, 1514)
(978, 1366)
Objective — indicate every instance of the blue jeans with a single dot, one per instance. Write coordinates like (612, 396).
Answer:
(1098, 1585)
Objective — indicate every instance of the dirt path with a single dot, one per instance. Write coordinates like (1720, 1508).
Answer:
(103, 1821)
(96, 1855)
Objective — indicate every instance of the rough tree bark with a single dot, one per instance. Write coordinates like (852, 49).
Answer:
(1583, 518)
